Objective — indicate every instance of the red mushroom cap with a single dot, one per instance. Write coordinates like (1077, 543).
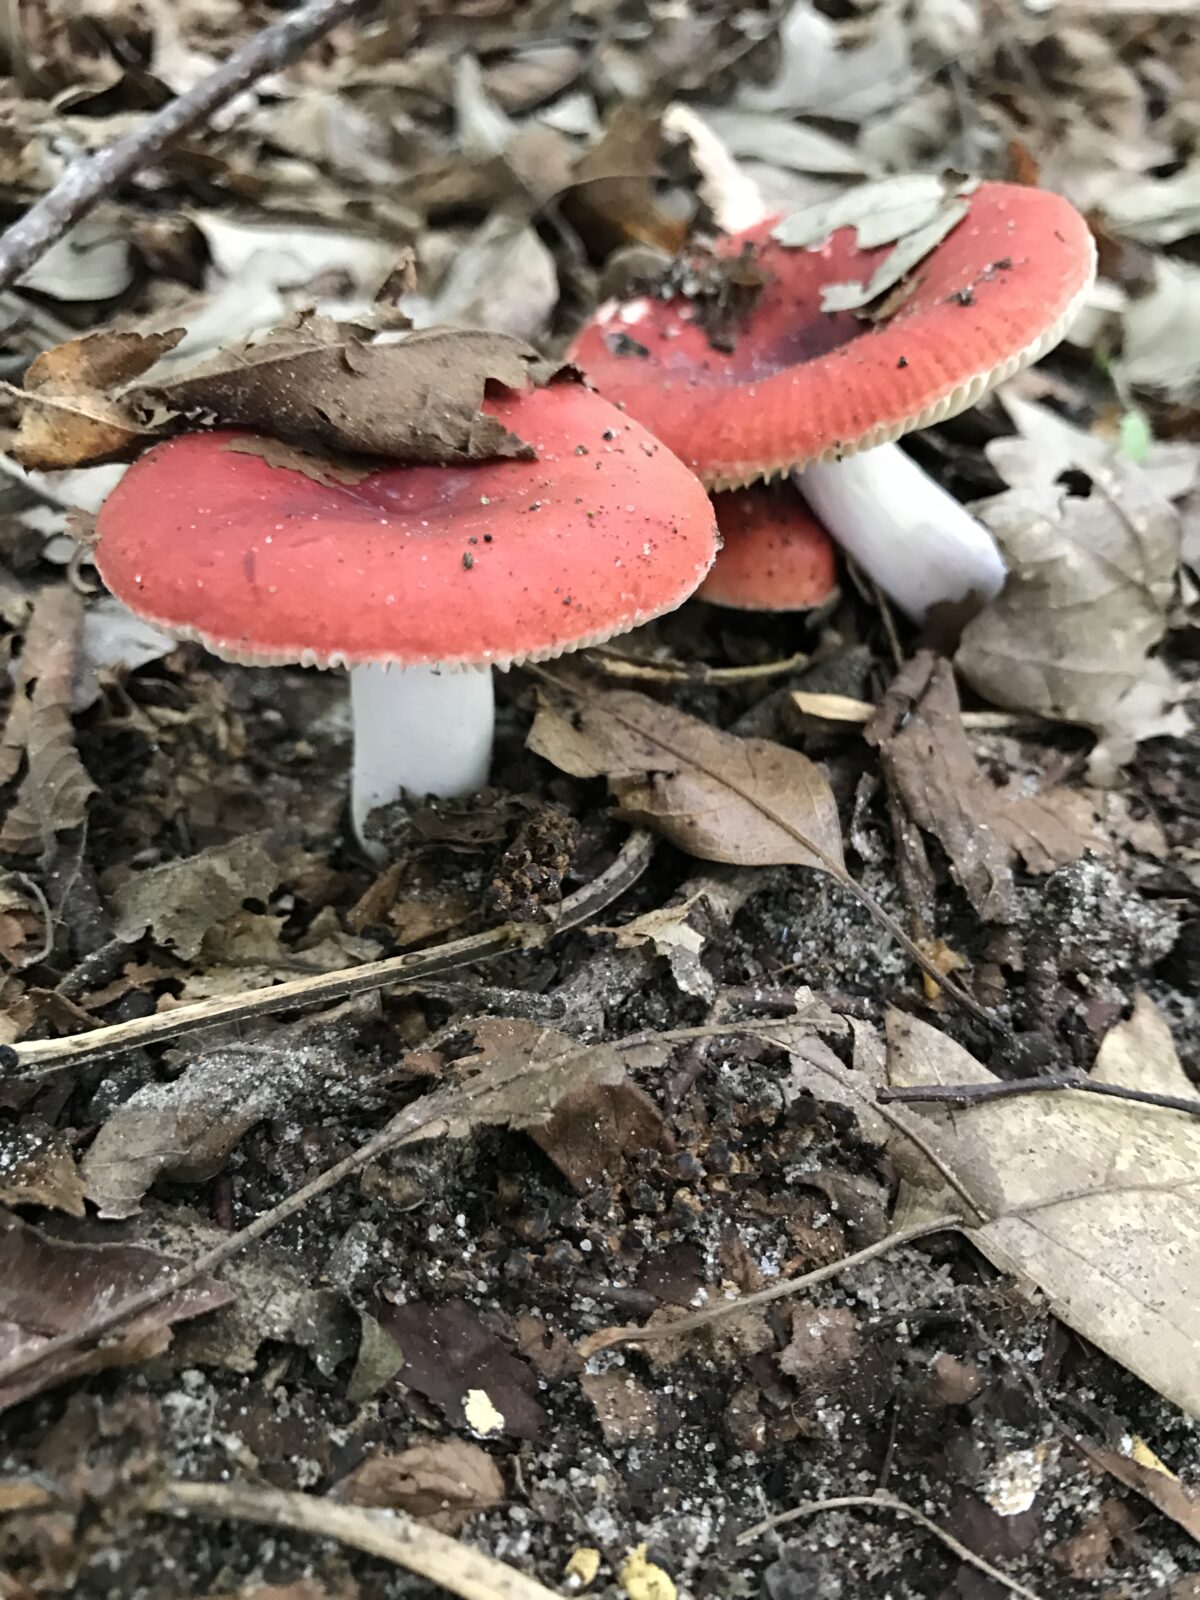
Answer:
(803, 385)
(487, 564)
(776, 556)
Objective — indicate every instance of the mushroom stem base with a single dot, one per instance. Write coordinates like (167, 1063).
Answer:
(421, 729)
(912, 538)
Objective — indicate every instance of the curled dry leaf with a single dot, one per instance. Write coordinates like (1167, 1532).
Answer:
(321, 384)
(748, 802)
(444, 1482)
(1162, 1489)
(49, 1287)
(1093, 1200)
(55, 789)
(1091, 582)
(72, 414)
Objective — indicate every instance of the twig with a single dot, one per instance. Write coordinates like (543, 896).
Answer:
(48, 1055)
(888, 1502)
(615, 665)
(969, 1094)
(611, 1338)
(88, 182)
(398, 1538)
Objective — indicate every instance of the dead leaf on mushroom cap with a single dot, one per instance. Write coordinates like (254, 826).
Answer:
(72, 414)
(320, 383)
(1091, 581)
(746, 802)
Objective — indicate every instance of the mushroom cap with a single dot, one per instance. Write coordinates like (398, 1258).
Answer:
(489, 563)
(803, 385)
(775, 556)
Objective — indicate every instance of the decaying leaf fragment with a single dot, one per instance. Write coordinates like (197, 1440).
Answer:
(933, 776)
(1095, 1201)
(178, 902)
(56, 788)
(443, 1481)
(72, 413)
(747, 802)
(1091, 581)
(49, 1286)
(320, 383)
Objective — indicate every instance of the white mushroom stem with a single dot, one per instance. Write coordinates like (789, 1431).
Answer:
(905, 532)
(421, 729)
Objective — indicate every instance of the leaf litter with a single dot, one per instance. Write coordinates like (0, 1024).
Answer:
(504, 176)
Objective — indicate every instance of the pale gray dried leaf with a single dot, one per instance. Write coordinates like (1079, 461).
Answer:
(755, 135)
(899, 262)
(91, 262)
(55, 789)
(180, 901)
(1157, 210)
(1046, 445)
(747, 802)
(288, 255)
(481, 127)
(1090, 586)
(1094, 1201)
(113, 639)
(881, 212)
(51, 1286)
(185, 1128)
(1161, 332)
(504, 279)
(318, 383)
(817, 75)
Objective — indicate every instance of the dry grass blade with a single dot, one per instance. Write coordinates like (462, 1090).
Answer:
(392, 1535)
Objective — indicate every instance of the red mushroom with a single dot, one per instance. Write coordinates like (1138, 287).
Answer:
(435, 571)
(806, 388)
(775, 556)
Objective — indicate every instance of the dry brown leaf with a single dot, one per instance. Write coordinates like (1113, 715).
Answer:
(611, 201)
(453, 1359)
(625, 1409)
(49, 1287)
(72, 414)
(1095, 1201)
(319, 383)
(1051, 829)
(38, 1169)
(1091, 582)
(55, 790)
(444, 1482)
(597, 1132)
(933, 776)
(178, 902)
(747, 802)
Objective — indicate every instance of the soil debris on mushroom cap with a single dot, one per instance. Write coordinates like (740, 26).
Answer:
(801, 384)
